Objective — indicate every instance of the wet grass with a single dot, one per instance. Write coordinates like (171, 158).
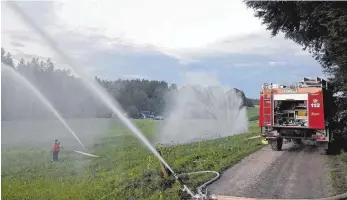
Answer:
(125, 169)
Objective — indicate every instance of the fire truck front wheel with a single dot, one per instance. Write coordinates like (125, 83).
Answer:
(276, 144)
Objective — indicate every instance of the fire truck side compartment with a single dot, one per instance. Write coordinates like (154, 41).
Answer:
(290, 113)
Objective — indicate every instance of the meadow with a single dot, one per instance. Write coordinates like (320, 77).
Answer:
(253, 113)
(124, 170)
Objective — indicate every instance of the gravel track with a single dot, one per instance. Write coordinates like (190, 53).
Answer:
(298, 171)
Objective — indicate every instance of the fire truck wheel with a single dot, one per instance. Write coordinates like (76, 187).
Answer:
(276, 145)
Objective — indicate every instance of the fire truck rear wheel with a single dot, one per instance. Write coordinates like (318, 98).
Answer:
(276, 145)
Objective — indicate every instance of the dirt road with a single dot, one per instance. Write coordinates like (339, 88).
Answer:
(298, 171)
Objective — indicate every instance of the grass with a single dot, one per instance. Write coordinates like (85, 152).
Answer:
(338, 173)
(253, 113)
(125, 170)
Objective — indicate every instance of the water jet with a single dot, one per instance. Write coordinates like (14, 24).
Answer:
(42, 98)
(113, 105)
(92, 85)
(87, 154)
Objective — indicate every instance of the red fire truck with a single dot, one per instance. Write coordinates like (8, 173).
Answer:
(297, 112)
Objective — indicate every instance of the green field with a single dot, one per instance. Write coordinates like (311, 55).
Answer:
(125, 169)
(253, 113)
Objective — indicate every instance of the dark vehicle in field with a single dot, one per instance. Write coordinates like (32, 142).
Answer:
(297, 112)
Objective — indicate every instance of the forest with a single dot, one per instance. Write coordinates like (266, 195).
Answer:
(73, 100)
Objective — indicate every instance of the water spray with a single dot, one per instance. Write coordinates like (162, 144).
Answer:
(94, 87)
(87, 154)
(254, 137)
(113, 105)
(196, 110)
(42, 98)
(115, 108)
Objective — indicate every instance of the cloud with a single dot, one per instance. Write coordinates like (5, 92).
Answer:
(160, 40)
(168, 24)
(228, 28)
(260, 43)
(277, 63)
(259, 64)
(20, 36)
(201, 78)
(17, 44)
(252, 64)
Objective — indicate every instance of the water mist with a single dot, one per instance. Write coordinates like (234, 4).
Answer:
(90, 82)
(202, 109)
(16, 76)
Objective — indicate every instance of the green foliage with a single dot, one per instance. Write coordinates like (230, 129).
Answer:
(252, 102)
(338, 174)
(6, 58)
(319, 27)
(246, 101)
(58, 85)
(125, 169)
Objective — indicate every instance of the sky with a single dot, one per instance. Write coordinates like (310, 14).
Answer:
(160, 40)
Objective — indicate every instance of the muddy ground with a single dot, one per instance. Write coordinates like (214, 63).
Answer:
(298, 171)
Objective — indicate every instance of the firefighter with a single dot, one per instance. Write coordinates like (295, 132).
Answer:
(55, 150)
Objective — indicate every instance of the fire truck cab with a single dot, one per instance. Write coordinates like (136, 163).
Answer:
(300, 111)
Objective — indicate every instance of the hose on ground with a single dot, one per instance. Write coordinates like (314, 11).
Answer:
(204, 185)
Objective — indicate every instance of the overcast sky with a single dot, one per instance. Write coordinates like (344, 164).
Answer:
(160, 39)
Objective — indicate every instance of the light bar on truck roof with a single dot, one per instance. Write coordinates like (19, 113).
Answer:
(305, 83)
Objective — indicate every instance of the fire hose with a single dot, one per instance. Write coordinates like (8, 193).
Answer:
(199, 189)
(200, 194)
(206, 196)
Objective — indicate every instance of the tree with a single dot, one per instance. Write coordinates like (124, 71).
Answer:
(319, 27)
(132, 111)
(140, 99)
(72, 99)
(243, 96)
(6, 58)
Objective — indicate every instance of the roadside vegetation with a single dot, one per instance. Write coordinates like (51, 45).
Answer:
(338, 173)
(320, 28)
(125, 169)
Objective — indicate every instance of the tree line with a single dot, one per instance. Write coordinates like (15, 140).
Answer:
(72, 99)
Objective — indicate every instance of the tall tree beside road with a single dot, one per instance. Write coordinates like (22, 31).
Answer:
(321, 28)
